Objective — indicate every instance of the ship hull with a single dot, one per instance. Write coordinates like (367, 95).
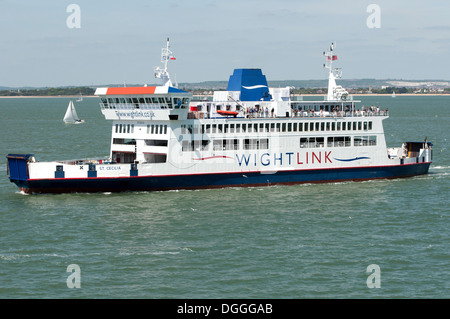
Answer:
(219, 180)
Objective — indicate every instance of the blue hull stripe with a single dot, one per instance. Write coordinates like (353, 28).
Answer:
(351, 159)
(152, 183)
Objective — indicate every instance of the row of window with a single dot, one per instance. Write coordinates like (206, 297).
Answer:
(258, 143)
(278, 127)
(156, 129)
(132, 141)
(124, 128)
(337, 141)
(151, 128)
(226, 144)
(144, 102)
(255, 127)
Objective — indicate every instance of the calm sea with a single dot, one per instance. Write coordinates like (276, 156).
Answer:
(306, 241)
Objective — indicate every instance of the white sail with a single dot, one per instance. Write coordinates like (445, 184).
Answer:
(71, 115)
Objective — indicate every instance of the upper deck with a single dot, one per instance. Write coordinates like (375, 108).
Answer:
(247, 96)
(143, 103)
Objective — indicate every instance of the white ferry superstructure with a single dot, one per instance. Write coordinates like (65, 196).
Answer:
(248, 135)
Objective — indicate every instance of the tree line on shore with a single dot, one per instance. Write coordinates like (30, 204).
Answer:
(49, 92)
(86, 91)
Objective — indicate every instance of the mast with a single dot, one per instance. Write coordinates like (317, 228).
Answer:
(162, 73)
(335, 92)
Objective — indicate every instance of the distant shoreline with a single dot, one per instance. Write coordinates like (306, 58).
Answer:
(88, 96)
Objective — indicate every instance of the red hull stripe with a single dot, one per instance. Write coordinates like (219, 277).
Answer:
(131, 90)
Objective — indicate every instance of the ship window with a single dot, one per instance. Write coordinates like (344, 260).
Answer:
(311, 142)
(208, 128)
(238, 128)
(264, 144)
(231, 128)
(360, 141)
(249, 128)
(365, 126)
(372, 140)
(370, 125)
(218, 145)
(214, 126)
(261, 127)
(272, 127)
(278, 127)
(155, 158)
(306, 127)
(124, 141)
(225, 128)
(267, 127)
(255, 143)
(231, 144)
(339, 141)
(359, 125)
(300, 127)
(294, 127)
(156, 142)
(333, 126)
(185, 102)
(338, 126)
(186, 146)
(255, 128)
(220, 128)
(176, 102)
(165, 129)
(322, 126)
(317, 126)
(169, 102)
(354, 126)
(205, 144)
(117, 128)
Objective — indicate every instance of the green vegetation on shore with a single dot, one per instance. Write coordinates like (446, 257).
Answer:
(198, 90)
(49, 92)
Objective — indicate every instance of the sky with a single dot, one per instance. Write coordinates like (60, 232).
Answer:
(120, 41)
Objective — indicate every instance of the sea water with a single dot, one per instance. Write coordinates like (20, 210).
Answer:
(374, 239)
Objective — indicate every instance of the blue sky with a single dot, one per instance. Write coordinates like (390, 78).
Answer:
(121, 40)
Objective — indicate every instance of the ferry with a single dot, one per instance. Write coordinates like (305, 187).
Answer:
(163, 138)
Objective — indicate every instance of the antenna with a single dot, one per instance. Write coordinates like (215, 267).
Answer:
(162, 73)
(335, 92)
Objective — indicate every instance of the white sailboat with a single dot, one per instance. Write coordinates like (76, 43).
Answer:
(80, 99)
(71, 116)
